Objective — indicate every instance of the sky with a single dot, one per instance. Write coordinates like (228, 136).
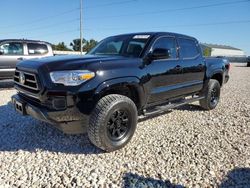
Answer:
(225, 22)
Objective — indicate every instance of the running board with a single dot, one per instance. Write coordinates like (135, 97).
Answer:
(163, 108)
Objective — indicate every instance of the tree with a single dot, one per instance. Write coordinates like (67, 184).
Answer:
(61, 47)
(87, 45)
(207, 51)
(76, 44)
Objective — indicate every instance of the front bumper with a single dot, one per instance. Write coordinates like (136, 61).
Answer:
(70, 120)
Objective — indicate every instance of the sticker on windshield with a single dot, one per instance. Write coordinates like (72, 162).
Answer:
(141, 36)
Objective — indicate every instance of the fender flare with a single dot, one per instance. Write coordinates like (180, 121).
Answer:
(133, 82)
(216, 71)
(209, 75)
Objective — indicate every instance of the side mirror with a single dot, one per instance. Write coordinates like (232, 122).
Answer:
(160, 53)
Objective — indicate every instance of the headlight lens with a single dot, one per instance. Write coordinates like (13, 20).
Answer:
(71, 78)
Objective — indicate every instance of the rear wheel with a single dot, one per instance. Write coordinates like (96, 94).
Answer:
(113, 122)
(212, 95)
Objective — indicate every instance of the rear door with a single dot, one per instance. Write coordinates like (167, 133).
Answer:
(193, 65)
(10, 54)
(37, 50)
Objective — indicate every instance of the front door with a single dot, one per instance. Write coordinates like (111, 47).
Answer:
(165, 74)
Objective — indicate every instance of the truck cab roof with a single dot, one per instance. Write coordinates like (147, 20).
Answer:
(23, 40)
(158, 33)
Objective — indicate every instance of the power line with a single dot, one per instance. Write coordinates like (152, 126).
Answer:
(52, 34)
(66, 12)
(126, 15)
(137, 14)
(156, 27)
(111, 4)
(184, 25)
(172, 10)
(44, 27)
(187, 25)
(41, 19)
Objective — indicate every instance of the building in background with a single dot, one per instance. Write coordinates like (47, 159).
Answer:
(233, 54)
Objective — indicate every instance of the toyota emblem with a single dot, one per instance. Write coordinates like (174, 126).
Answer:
(22, 78)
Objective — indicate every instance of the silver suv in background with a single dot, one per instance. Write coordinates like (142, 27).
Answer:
(14, 50)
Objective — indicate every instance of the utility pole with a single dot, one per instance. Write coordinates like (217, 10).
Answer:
(81, 25)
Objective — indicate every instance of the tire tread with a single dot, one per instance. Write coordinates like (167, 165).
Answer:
(98, 115)
(205, 103)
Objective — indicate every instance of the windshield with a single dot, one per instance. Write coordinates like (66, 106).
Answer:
(124, 45)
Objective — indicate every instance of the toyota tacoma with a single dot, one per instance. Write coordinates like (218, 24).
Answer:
(125, 76)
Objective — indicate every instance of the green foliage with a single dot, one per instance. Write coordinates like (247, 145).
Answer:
(75, 44)
(207, 51)
(87, 44)
(60, 47)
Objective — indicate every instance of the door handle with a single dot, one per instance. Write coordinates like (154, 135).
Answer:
(178, 68)
(20, 58)
(200, 66)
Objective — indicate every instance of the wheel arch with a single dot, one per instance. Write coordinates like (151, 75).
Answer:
(128, 86)
(219, 77)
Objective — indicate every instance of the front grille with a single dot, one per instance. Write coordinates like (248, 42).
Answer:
(26, 80)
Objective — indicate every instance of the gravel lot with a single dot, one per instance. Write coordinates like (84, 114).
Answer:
(186, 147)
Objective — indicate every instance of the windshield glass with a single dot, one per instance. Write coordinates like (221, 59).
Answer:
(124, 45)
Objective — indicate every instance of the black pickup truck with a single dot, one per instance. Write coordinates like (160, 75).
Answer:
(123, 77)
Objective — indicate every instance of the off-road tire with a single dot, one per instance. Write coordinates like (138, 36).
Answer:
(208, 103)
(107, 109)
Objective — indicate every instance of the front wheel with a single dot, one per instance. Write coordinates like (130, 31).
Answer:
(113, 122)
(212, 95)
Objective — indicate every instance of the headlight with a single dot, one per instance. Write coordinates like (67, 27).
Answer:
(71, 78)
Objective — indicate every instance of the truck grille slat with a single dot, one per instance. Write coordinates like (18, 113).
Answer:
(26, 80)
(32, 81)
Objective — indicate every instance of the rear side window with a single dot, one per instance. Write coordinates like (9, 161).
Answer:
(167, 43)
(11, 48)
(37, 49)
(188, 48)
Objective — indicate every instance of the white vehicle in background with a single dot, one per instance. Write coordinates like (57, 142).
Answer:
(14, 50)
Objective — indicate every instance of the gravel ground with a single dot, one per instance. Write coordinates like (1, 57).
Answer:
(186, 147)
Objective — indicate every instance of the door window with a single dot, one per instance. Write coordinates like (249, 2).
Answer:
(167, 43)
(37, 49)
(135, 48)
(188, 48)
(11, 48)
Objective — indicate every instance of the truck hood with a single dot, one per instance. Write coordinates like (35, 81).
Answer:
(68, 62)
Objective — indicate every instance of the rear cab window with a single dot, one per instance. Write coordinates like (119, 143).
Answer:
(37, 49)
(188, 48)
(11, 48)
